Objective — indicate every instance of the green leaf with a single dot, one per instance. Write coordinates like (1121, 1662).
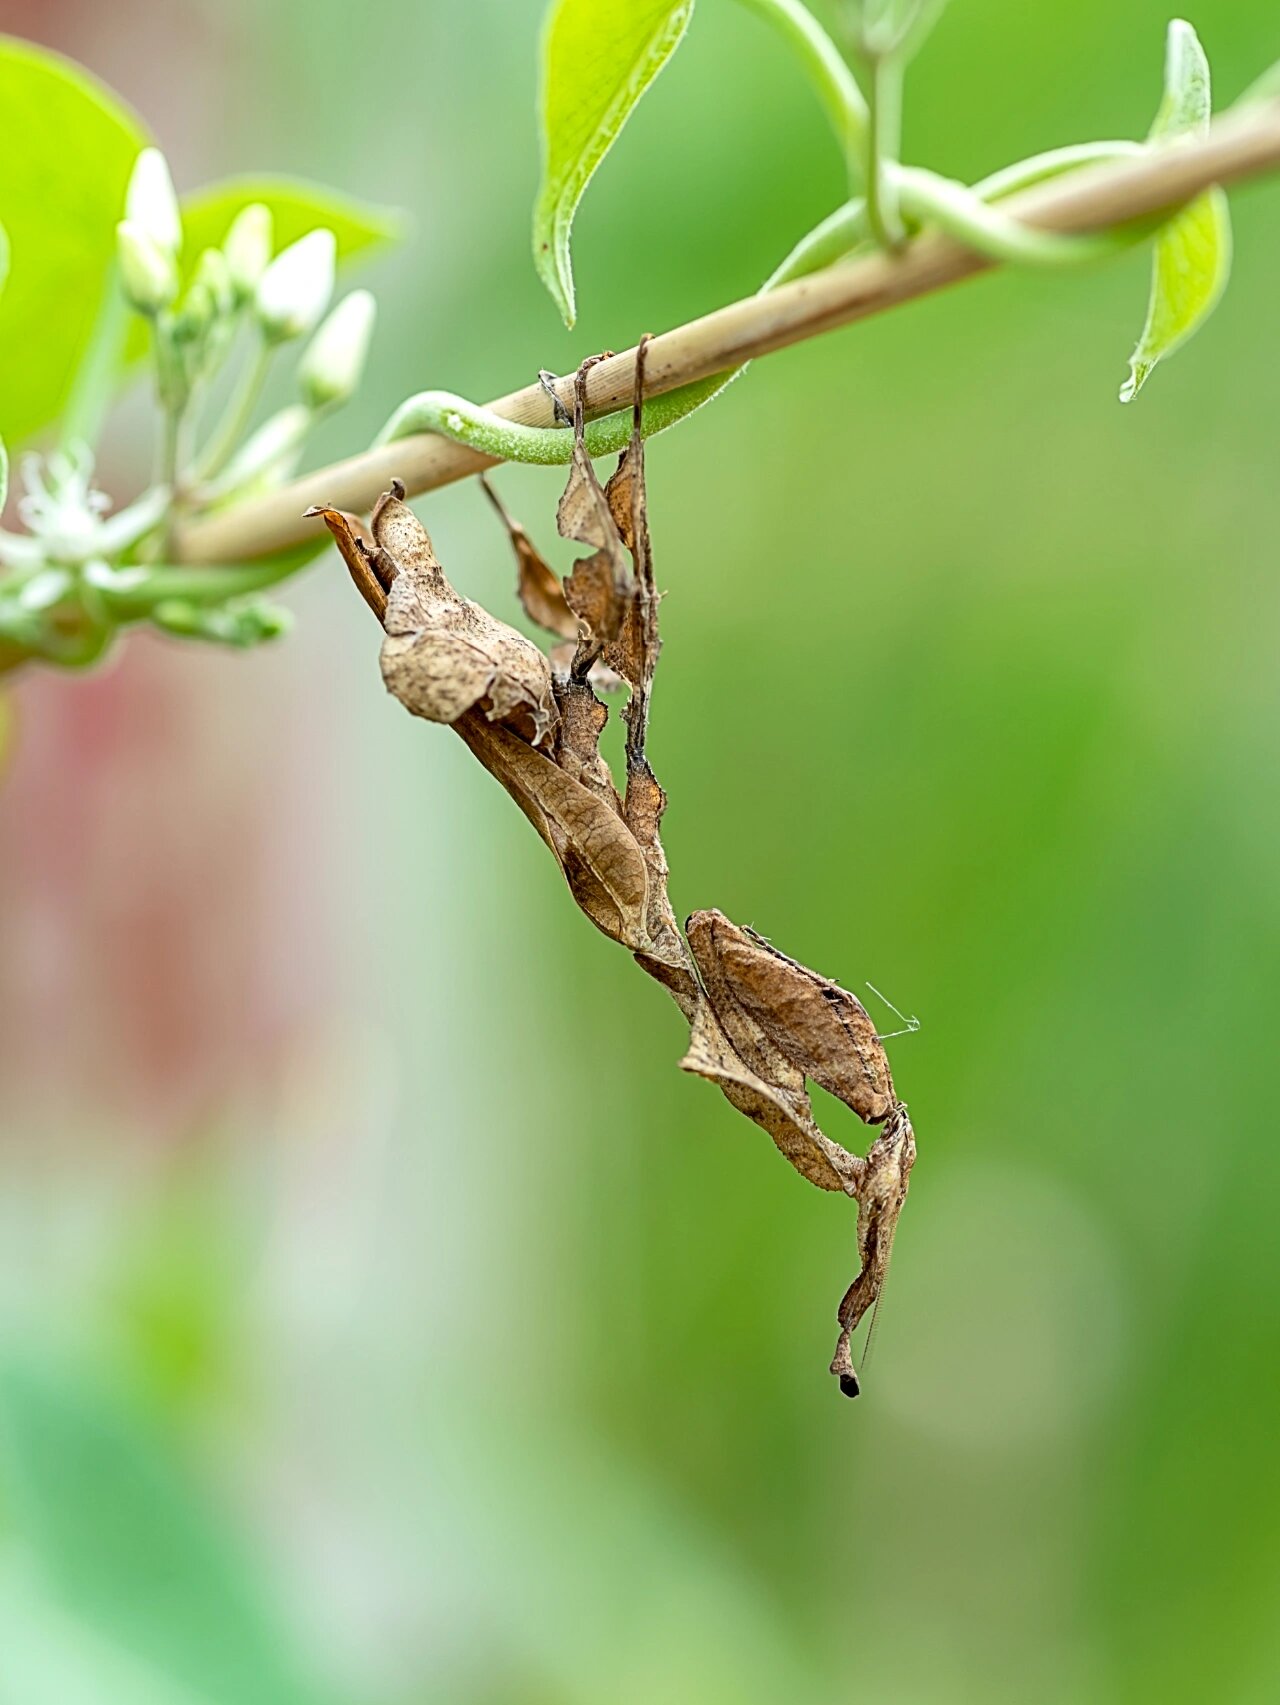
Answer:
(297, 206)
(98, 1504)
(1192, 256)
(598, 58)
(70, 145)
(4, 475)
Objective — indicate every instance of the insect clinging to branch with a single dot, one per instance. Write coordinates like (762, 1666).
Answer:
(761, 1024)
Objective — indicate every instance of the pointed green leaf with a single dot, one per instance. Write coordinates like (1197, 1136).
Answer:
(598, 58)
(297, 206)
(1192, 257)
(70, 145)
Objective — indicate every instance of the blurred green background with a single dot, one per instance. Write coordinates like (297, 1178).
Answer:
(385, 1318)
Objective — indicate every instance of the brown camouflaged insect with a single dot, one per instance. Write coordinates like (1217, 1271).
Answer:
(761, 1025)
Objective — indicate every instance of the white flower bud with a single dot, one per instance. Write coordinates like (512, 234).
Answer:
(214, 275)
(332, 367)
(194, 314)
(247, 246)
(151, 205)
(295, 289)
(148, 273)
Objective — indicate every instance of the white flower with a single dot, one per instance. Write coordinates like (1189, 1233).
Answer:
(295, 289)
(247, 246)
(148, 273)
(151, 205)
(331, 369)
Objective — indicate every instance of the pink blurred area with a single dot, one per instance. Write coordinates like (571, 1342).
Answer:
(127, 794)
(124, 801)
(137, 47)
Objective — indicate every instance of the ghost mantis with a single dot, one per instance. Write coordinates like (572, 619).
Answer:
(761, 1024)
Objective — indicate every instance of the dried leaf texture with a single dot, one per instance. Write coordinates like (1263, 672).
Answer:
(667, 956)
(611, 595)
(602, 590)
(882, 1193)
(537, 584)
(624, 492)
(577, 748)
(772, 1003)
(593, 595)
(762, 1026)
(785, 1114)
(593, 846)
(583, 513)
(444, 655)
(356, 547)
(781, 1023)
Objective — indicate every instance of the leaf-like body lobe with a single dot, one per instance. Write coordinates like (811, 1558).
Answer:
(444, 655)
(775, 1008)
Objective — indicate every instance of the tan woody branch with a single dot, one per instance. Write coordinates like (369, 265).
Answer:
(1242, 145)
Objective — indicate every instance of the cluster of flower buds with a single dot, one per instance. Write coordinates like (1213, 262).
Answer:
(283, 295)
(79, 572)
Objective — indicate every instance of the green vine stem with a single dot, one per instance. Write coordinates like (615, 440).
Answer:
(234, 423)
(929, 199)
(1039, 168)
(899, 201)
(828, 72)
(926, 198)
(134, 599)
(884, 135)
(505, 440)
(1123, 182)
